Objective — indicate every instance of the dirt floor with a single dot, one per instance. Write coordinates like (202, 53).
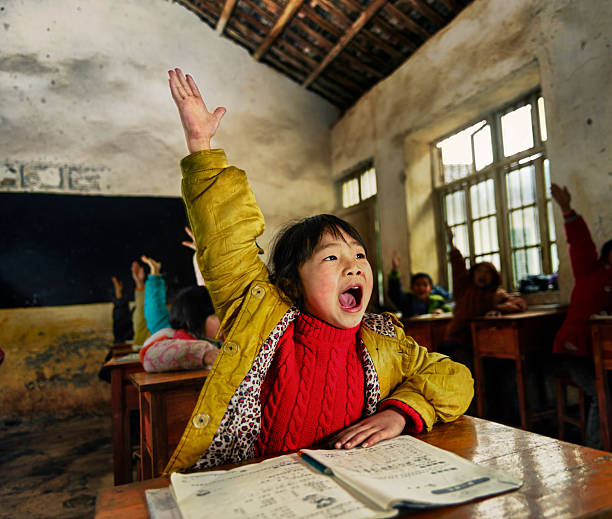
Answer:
(54, 467)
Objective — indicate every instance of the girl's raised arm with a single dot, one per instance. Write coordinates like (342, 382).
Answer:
(199, 124)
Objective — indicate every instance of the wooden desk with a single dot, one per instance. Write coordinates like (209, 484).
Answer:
(166, 401)
(124, 399)
(119, 349)
(428, 330)
(561, 480)
(601, 340)
(513, 336)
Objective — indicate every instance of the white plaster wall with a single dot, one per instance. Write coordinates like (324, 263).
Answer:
(494, 51)
(84, 83)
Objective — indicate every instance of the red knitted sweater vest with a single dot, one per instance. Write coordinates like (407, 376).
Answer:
(314, 387)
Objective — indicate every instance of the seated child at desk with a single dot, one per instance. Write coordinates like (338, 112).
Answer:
(183, 337)
(301, 363)
(477, 293)
(420, 300)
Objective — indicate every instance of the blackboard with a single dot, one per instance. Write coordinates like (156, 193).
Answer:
(63, 249)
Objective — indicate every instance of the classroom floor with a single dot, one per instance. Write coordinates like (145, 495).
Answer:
(54, 467)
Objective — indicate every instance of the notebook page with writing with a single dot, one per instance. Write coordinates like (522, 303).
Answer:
(279, 487)
(405, 471)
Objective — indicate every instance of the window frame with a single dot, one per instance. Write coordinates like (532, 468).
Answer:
(497, 170)
(355, 174)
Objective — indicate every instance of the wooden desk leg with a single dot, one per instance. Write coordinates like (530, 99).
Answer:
(159, 433)
(145, 460)
(121, 429)
(520, 385)
(480, 385)
(601, 381)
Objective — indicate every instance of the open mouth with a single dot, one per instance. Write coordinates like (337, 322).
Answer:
(351, 298)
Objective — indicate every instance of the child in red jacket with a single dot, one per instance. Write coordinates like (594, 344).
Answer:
(591, 295)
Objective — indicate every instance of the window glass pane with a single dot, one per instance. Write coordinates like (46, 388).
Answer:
(517, 131)
(478, 237)
(368, 183)
(547, 177)
(513, 189)
(483, 151)
(350, 192)
(461, 240)
(516, 229)
(519, 265)
(527, 185)
(455, 208)
(457, 153)
(552, 235)
(495, 259)
(491, 196)
(542, 119)
(554, 255)
(534, 261)
(493, 233)
(530, 223)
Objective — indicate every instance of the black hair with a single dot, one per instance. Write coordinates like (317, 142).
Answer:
(605, 251)
(191, 307)
(296, 243)
(496, 277)
(419, 275)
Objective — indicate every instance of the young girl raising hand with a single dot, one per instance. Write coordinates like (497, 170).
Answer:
(302, 364)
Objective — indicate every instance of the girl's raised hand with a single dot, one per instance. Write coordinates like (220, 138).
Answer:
(198, 123)
(191, 244)
(154, 265)
(562, 196)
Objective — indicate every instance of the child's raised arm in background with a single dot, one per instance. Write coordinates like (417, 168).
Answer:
(302, 363)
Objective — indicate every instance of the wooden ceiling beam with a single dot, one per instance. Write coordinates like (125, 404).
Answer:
(360, 65)
(247, 33)
(322, 22)
(345, 39)
(451, 6)
(337, 12)
(284, 46)
(291, 72)
(197, 9)
(382, 44)
(395, 34)
(321, 40)
(292, 60)
(427, 12)
(286, 16)
(232, 33)
(228, 8)
(406, 21)
(333, 98)
(263, 13)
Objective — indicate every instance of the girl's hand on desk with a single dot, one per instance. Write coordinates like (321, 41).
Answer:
(369, 431)
(210, 357)
(198, 123)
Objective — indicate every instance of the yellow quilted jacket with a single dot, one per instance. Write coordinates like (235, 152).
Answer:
(226, 221)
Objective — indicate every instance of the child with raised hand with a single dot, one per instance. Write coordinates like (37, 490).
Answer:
(420, 299)
(184, 336)
(591, 295)
(302, 364)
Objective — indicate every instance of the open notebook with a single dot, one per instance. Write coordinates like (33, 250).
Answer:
(358, 483)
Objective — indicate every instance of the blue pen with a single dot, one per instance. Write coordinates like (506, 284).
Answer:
(316, 464)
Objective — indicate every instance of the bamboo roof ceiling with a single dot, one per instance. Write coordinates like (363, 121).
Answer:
(338, 49)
